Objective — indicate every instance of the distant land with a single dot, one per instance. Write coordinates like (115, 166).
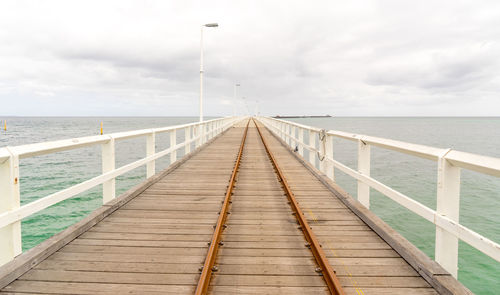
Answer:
(304, 116)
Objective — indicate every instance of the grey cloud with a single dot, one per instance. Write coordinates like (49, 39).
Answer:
(345, 58)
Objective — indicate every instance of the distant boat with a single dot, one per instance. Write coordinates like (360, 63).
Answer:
(304, 116)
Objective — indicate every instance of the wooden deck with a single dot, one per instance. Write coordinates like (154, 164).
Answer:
(157, 241)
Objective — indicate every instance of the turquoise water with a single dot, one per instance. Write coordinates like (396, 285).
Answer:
(480, 194)
(47, 174)
(480, 202)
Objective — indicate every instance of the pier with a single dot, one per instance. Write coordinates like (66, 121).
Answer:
(245, 211)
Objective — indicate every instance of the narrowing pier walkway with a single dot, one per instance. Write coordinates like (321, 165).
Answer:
(163, 237)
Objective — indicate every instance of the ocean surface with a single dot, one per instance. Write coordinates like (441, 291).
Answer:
(415, 177)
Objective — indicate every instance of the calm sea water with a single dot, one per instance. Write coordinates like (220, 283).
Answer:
(480, 195)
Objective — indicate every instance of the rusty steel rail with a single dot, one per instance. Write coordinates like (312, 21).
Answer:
(208, 266)
(324, 266)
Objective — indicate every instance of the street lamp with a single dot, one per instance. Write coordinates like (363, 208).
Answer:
(234, 99)
(212, 25)
(246, 105)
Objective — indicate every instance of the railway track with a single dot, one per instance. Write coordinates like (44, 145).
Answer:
(249, 245)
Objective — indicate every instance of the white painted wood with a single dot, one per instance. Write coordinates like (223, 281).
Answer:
(301, 141)
(108, 164)
(173, 142)
(288, 132)
(322, 143)
(10, 235)
(330, 173)
(197, 135)
(150, 151)
(448, 204)
(363, 168)
(11, 216)
(478, 163)
(187, 139)
(449, 185)
(10, 212)
(312, 145)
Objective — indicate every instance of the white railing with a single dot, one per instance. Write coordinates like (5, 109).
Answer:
(445, 217)
(11, 212)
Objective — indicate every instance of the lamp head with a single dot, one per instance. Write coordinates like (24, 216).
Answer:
(212, 25)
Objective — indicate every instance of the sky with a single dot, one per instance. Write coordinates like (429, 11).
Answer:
(343, 58)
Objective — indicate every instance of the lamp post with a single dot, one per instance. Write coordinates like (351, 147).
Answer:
(234, 99)
(212, 25)
(246, 105)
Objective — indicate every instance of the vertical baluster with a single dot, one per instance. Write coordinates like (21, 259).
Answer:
(363, 167)
(10, 235)
(150, 151)
(322, 153)
(448, 204)
(301, 141)
(173, 143)
(108, 164)
(312, 144)
(289, 132)
(187, 139)
(330, 170)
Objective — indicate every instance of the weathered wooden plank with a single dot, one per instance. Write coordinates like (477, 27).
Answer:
(93, 288)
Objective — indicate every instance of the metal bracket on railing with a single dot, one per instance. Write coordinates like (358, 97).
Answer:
(322, 139)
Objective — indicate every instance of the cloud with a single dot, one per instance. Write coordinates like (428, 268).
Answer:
(343, 58)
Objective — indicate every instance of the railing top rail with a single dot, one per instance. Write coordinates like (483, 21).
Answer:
(474, 162)
(42, 148)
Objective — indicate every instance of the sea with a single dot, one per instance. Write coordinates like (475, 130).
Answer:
(479, 199)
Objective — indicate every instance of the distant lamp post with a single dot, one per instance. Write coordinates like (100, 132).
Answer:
(212, 25)
(246, 105)
(234, 99)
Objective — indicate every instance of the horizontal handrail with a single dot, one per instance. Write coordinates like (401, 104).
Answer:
(11, 212)
(445, 217)
(38, 149)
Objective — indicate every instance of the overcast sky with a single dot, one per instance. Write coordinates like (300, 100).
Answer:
(344, 58)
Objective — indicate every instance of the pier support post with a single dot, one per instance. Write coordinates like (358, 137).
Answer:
(187, 138)
(173, 143)
(108, 164)
(312, 144)
(10, 235)
(150, 151)
(448, 204)
(364, 168)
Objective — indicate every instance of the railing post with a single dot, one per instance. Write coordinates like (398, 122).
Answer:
(292, 137)
(364, 168)
(288, 133)
(301, 141)
(282, 131)
(322, 152)
(150, 151)
(173, 142)
(197, 133)
(330, 169)
(187, 138)
(448, 204)
(312, 144)
(203, 127)
(10, 235)
(108, 164)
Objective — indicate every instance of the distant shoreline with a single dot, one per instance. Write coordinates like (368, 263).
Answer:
(304, 116)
